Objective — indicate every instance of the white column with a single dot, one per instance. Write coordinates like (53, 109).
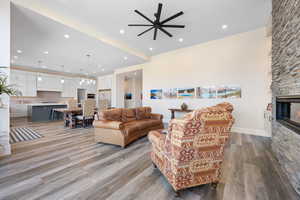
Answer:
(4, 69)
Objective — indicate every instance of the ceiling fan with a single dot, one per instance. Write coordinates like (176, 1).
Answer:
(157, 24)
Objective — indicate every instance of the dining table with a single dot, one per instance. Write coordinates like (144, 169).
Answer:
(69, 115)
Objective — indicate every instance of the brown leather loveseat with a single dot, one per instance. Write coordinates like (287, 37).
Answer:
(122, 126)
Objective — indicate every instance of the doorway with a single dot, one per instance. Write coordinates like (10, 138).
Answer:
(130, 89)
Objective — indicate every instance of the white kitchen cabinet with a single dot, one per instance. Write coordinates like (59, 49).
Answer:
(18, 81)
(105, 82)
(31, 87)
(18, 110)
(70, 88)
(24, 82)
(49, 83)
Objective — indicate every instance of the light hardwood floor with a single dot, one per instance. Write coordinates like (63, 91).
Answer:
(68, 164)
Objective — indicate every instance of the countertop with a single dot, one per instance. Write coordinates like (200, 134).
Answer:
(46, 104)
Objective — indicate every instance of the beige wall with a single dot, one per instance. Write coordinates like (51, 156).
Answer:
(241, 59)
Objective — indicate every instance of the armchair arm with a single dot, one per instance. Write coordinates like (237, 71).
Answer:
(116, 125)
(177, 124)
(156, 116)
(157, 139)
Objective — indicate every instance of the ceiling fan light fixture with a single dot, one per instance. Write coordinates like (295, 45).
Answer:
(157, 24)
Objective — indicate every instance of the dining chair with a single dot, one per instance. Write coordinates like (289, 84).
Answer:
(72, 103)
(103, 104)
(88, 111)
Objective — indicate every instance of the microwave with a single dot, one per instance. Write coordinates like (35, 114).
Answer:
(91, 96)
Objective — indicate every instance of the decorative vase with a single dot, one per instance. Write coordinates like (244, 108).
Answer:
(184, 106)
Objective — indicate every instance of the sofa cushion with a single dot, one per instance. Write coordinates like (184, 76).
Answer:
(148, 123)
(108, 124)
(111, 115)
(128, 115)
(131, 127)
(143, 113)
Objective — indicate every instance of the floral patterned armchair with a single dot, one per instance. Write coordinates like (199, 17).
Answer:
(191, 153)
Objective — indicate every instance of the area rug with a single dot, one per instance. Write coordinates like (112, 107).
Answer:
(23, 134)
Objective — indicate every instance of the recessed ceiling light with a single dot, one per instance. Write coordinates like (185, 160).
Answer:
(16, 57)
(103, 69)
(19, 51)
(12, 61)
(66, 36)
(125, 58)
(225, 26)
(122, 31)
(180, 39)
(151, 49)
(46, 52)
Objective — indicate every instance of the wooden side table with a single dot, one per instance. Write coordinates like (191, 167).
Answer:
(174, 110)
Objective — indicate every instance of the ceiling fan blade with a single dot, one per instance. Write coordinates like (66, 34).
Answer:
(172, 17)
(166, 32)
(138, 12)
(158, 14)
(173, 26)
(149, 29)
(140, 24)
(155, 34)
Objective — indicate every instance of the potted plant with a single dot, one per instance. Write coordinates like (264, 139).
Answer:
(5, 89)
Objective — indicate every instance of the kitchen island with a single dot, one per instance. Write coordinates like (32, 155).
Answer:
(42, 112)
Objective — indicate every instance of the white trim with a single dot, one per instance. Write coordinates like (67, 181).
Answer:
(248, 131)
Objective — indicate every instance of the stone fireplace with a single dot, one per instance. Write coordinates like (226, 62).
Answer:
(288, 112)
(286, 87)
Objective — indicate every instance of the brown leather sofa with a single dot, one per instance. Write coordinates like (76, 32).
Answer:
(122, 126)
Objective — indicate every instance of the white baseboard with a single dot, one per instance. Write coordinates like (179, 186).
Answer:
(250, 131)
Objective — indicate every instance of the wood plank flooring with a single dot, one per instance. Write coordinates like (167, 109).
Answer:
(68, 164)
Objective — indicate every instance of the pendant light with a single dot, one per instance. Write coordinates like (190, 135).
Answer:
(39, 78)
(88, 67)
(82, 80)
(62, 81)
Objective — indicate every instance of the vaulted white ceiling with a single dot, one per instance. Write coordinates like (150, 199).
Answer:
(94, 28)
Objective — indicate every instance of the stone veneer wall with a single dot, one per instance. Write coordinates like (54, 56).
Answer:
(286, 81)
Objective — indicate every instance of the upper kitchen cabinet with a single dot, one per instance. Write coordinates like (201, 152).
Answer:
(70, 88)
(47, 82)
(105, 82)
(30, 89)
(24, 82)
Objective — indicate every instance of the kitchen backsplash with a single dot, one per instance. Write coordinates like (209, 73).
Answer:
(42, 96)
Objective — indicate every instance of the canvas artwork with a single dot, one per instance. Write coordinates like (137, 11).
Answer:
(206, 92)
(233, 91)
(156, 94)
(221, 92)
(170, 93)
(186, 93)
(128, 96)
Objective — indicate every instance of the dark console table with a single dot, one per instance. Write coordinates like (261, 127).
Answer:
(174, 110)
